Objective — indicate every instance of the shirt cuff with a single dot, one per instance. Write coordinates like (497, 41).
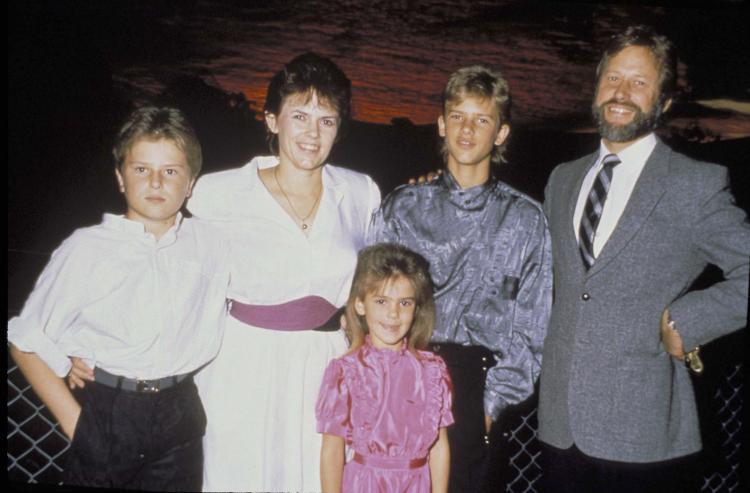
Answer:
(29, 340)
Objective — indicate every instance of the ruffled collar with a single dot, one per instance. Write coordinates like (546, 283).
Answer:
(385, 352)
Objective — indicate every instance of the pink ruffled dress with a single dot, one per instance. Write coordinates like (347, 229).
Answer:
(388, 406)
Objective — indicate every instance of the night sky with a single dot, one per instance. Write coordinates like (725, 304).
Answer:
(75, 69)
(397, 53)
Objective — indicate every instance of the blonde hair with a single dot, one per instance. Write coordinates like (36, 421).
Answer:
(376, 266)
(483, 83)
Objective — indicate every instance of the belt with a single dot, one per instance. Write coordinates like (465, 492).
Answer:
(457, 356)
(137, 385)
(308, 313)
(389, 462)
(449, 349)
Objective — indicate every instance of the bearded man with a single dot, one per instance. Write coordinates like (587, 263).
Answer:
(632, 226)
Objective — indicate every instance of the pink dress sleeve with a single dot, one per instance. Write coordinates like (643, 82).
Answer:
(332, 409)
(446, 389)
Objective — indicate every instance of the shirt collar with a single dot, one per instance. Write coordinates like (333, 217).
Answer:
(635, 154)
(330, 181)
(472, 198)
(121, 223)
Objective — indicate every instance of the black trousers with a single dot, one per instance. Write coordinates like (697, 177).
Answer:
(572, 471)
(480, 462)
(140, 441)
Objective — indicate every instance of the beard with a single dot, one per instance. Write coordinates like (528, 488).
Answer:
(642, 123)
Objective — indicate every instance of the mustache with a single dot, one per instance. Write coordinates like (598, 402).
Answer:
(627, 104)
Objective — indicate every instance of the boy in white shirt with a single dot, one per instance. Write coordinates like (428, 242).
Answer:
(140, 299)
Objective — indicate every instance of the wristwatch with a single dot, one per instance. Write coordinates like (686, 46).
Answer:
(693, 361)
(692, 358)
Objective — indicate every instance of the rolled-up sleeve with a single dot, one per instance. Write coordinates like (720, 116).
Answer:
(51, 310)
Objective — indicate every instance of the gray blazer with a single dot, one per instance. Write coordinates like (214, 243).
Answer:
(607, 383)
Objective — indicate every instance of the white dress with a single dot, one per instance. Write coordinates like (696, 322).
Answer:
(260, 391)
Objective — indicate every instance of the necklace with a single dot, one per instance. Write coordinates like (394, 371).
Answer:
(294, 211)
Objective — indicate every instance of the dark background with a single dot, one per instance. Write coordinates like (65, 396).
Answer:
(68, 90)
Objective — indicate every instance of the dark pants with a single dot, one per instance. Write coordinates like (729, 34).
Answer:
(572, 471)
(142, 441)
(479, 462)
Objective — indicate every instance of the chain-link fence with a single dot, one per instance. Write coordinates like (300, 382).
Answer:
(36, 446)
(723, 433)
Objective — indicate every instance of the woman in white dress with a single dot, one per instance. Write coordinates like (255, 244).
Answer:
(296, 225)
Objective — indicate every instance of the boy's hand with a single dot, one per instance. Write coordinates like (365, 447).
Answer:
(79, 373)
(431, 176)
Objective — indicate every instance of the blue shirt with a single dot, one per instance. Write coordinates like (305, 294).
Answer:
(490, 260)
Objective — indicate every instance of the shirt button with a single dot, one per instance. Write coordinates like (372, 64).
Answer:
(585, 297)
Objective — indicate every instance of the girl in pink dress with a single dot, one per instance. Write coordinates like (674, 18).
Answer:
(387, 402)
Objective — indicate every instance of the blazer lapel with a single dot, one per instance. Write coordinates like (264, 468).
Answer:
(647, 192)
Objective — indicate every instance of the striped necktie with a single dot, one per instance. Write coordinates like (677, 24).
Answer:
(592, 212)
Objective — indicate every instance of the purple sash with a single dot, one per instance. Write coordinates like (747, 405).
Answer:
(389, 462)
(305, 313)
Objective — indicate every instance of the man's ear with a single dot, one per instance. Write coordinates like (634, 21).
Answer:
(120, 180)
(502, 134)
(441, 126)
(190, 187)
(667, 105)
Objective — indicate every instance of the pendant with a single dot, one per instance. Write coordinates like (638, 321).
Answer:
(304, 226)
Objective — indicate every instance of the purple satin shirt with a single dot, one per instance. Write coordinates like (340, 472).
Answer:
(490, 258)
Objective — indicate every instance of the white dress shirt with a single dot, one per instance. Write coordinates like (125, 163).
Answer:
(624, 176)
(273, 261)
(123, 301)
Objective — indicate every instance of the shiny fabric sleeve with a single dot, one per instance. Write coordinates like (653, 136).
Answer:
(373, 202)
(517, 366)
(381, 231)
(334, 403)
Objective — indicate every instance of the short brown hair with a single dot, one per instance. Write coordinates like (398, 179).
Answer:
(378, 264)
(310, 74)
(480, 82)
(661, 47)
(154, 123)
